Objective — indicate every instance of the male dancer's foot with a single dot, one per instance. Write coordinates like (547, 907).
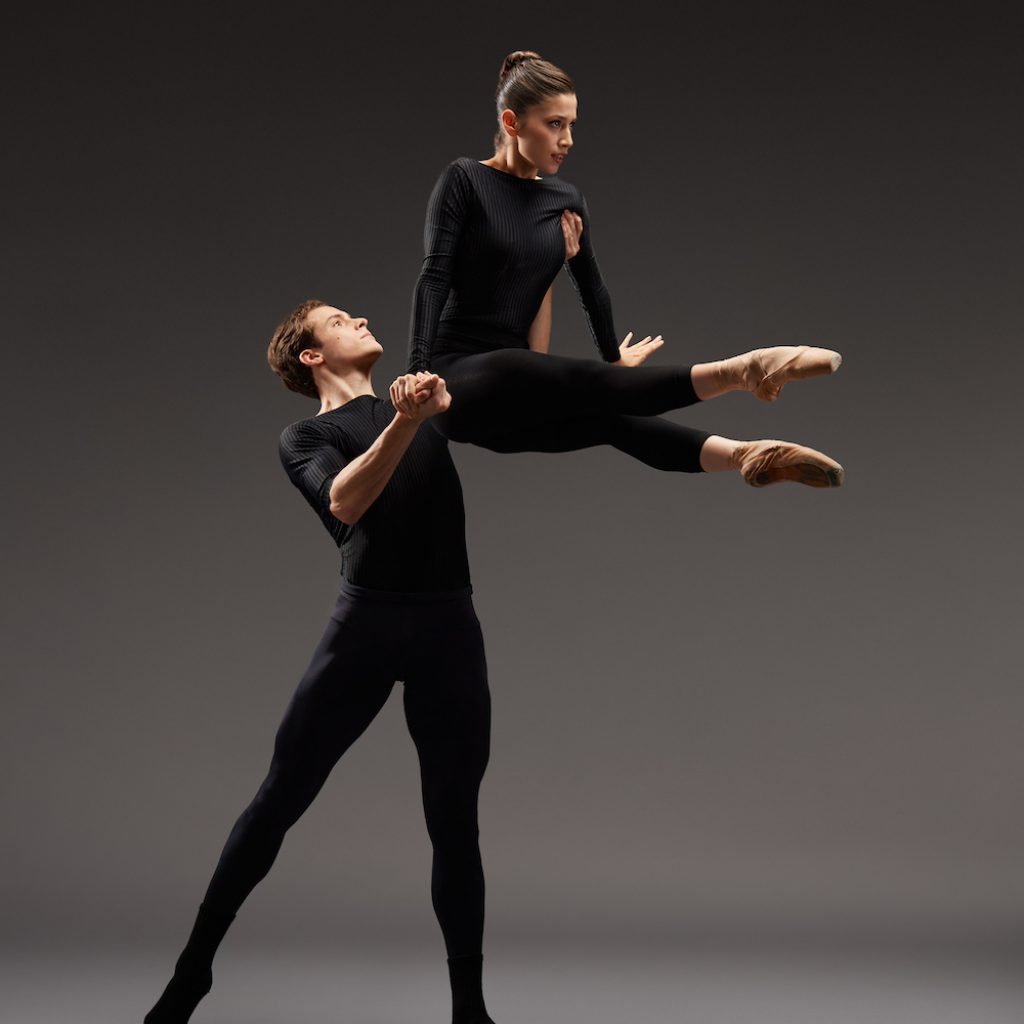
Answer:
(763, 371)
(193, 971)
(181, 996)
(468, 1006)
(771, 461)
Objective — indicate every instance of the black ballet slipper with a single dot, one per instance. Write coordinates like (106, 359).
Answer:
(180, 997)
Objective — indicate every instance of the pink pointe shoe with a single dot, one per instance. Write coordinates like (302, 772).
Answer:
(765, 371)
(771, 461)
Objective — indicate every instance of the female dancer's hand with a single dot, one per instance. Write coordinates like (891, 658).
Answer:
(634, 355)
(572, 228)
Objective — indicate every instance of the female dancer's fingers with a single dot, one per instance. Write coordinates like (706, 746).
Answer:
(571, 233)
(406, 404)
(648, 349)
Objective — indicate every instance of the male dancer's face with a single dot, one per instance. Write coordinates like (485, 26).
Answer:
(345, 340)
(546, 132)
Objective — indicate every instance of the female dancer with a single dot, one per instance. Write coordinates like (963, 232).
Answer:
(492, 249)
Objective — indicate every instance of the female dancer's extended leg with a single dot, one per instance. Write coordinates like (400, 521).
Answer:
(514, 387)
(515, 400)
(363, 650)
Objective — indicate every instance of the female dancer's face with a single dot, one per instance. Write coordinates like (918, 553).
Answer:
(545, 134)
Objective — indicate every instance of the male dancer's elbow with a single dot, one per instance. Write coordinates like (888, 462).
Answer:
(348, 515)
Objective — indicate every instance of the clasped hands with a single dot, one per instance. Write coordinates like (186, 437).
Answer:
(418, 396)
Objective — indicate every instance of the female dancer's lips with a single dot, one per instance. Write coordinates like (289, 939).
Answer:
(559, 156)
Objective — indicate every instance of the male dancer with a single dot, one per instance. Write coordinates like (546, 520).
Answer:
(390, 496)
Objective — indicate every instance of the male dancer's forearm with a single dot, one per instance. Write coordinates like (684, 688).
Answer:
(357, 486)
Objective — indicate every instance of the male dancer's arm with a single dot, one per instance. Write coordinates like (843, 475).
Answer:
(360, 482)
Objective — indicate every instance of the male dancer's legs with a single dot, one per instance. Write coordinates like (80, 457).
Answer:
(348, 680)
(448, 709)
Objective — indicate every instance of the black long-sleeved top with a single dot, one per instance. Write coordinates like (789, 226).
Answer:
(413, 535)
(492, 245)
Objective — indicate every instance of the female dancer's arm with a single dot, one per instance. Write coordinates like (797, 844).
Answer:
(593, 295)
(539, 337)
(446, 216)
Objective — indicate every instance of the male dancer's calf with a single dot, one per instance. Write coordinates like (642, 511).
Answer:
(390, 496)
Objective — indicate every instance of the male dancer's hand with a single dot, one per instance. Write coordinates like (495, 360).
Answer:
(634, 355)
(418, 396)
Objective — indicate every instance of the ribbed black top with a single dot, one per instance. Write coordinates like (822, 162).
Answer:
(492, 245)
(413, 536)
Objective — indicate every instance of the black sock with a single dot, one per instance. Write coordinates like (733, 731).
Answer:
(465, 973)
(193, 971)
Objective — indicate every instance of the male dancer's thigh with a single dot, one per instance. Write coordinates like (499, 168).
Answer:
(347, 682)
(447, 704)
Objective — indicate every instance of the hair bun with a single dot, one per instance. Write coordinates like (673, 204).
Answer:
(514, 59)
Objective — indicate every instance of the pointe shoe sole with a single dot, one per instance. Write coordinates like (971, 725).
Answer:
(808, 473)
(807, 361)
(770, 462)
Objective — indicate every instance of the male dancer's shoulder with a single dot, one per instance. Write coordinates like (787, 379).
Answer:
(313, 452)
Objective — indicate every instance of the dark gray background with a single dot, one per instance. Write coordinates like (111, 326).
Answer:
(719, 712)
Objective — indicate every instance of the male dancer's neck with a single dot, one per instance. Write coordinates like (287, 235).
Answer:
(336, 391)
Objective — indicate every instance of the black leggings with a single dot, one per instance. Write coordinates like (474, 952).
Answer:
(433, 643)
(515, 400)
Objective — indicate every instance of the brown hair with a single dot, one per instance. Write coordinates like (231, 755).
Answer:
(526, 79)
(293, 335)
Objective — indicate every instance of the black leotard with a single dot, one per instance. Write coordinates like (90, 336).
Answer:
(493, 244)
(413, 536)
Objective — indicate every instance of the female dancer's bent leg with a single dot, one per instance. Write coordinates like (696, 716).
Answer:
(348, 680)
(656, 442)
(513, 388)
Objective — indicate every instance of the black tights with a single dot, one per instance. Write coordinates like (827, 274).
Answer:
(515, 400)
(374, 638)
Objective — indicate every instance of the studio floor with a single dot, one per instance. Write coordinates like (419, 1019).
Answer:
(543, 985)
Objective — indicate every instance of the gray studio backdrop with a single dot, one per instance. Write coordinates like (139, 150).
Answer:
(718, 712)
